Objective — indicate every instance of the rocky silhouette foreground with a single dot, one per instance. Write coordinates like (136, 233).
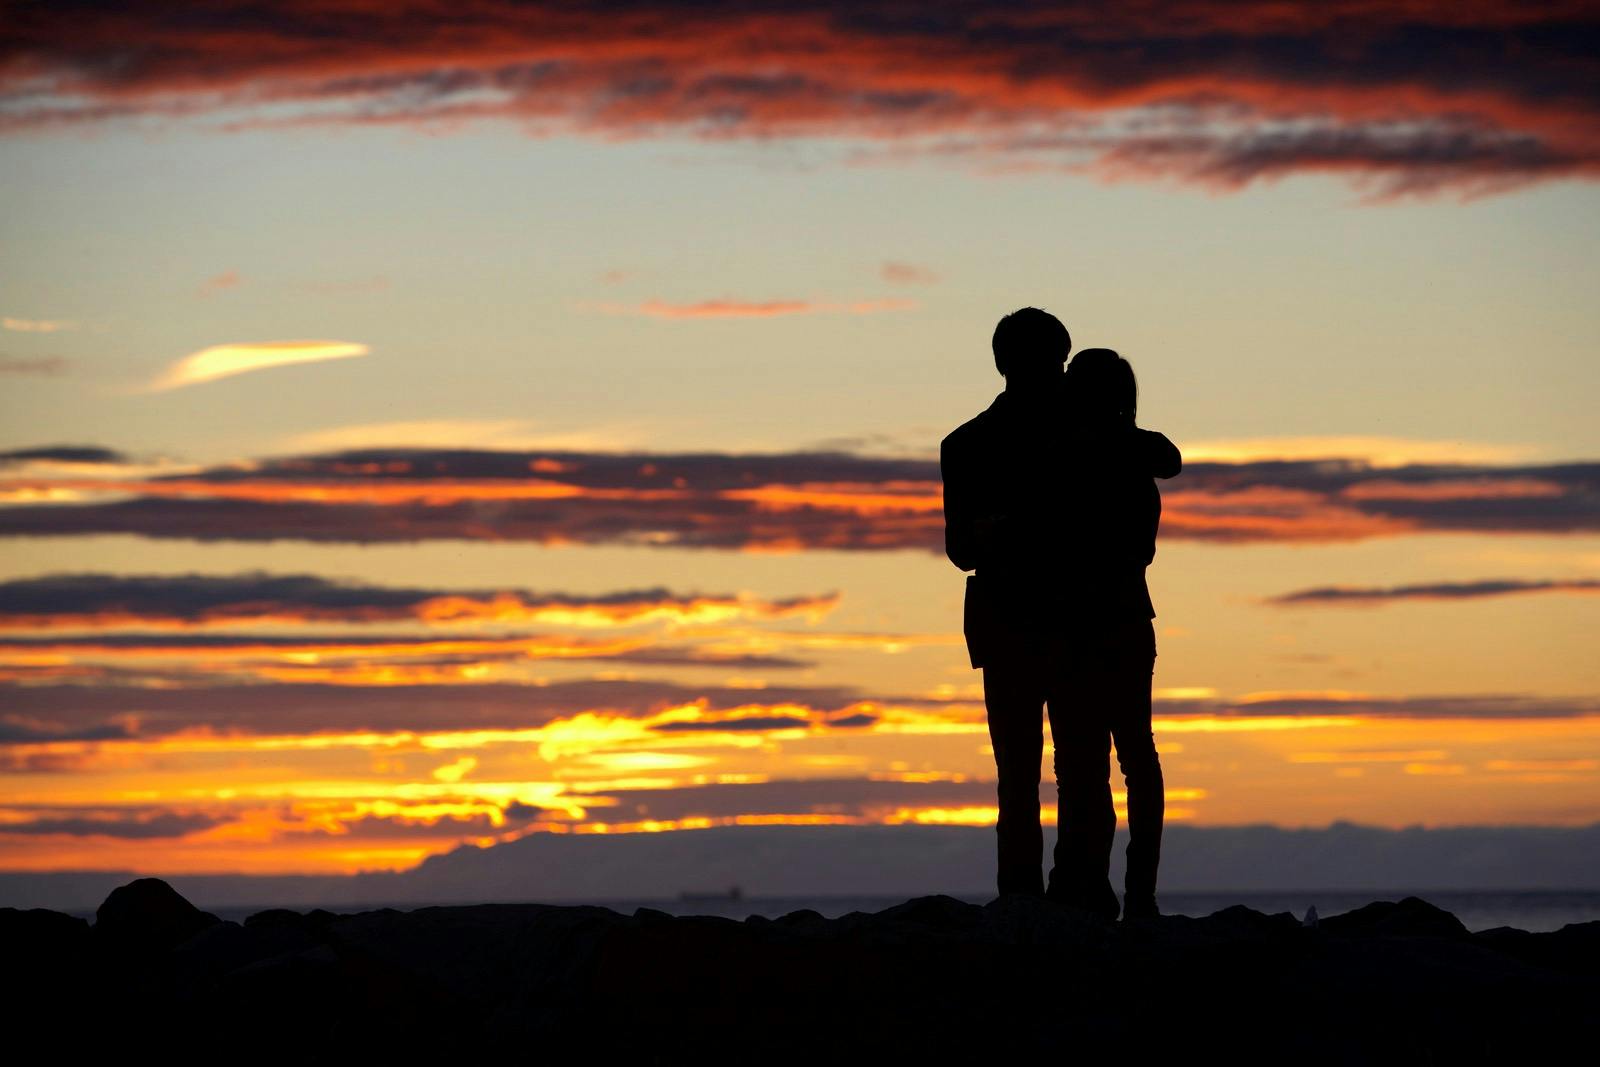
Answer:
(934, 977)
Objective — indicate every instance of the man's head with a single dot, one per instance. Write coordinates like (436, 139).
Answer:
(1030, 344)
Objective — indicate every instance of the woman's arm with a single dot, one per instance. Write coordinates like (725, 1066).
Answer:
(1127, 448)
(1159, 456)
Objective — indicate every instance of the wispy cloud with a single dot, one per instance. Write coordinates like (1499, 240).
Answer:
(228, 279)
(36, 325)
(751, 309)
(1372, 450)
(467, 433)
(225, 361)
(907, 273)
(334, 287)
(38, 475)
(1368, 596)
(45, 366)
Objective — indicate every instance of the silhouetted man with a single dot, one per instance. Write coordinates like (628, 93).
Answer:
(1056, 513)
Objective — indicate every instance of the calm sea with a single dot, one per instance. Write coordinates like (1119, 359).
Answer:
(1532, 910)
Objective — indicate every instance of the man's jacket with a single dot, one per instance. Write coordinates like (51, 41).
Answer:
(1058, 523)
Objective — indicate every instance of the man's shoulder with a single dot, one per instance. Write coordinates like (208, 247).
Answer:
(971, 432)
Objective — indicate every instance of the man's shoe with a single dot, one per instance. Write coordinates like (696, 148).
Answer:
(1139, 907)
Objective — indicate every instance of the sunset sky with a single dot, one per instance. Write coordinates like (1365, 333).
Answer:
(427, 423)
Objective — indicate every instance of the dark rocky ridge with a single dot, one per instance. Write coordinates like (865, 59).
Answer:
(934, 978)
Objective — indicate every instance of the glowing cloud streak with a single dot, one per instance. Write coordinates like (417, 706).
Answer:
(224, 361)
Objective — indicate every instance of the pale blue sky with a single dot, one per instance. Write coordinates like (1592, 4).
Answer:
(1284, 310)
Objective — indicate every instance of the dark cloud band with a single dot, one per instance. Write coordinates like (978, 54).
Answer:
(137, 825)
(38, 715)
(780, 501)
(1448, 591)
(92, 601)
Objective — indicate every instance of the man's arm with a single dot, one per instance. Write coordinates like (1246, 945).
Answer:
(962, 536)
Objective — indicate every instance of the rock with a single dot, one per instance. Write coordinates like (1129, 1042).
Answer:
(943, 912)
(39, 948)
(1239, 923)
(1574, 949)
(216, 950)
(1025, 920)
(147, 915)
(274, 917)
(799, 918)
(933, 978)
(36, 934)
(1411, 917)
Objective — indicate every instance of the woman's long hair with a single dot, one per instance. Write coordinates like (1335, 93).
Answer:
(1101, 387)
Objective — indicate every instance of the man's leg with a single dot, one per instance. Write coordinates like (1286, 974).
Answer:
(1141, 767)
(1086, 823)
(1014, 697)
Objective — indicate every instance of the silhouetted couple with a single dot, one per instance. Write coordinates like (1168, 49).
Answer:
(1049, 498)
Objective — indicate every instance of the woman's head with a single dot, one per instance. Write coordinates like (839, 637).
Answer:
(1101, 385)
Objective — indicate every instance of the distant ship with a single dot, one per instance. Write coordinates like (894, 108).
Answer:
(732, 893)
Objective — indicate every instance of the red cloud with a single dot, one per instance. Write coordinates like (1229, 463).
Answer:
(1419, 96)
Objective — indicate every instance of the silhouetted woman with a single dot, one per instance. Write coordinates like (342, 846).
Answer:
(1111, 657)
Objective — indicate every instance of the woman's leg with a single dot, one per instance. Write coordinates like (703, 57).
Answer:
(1086, 823)
(1141, 767)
